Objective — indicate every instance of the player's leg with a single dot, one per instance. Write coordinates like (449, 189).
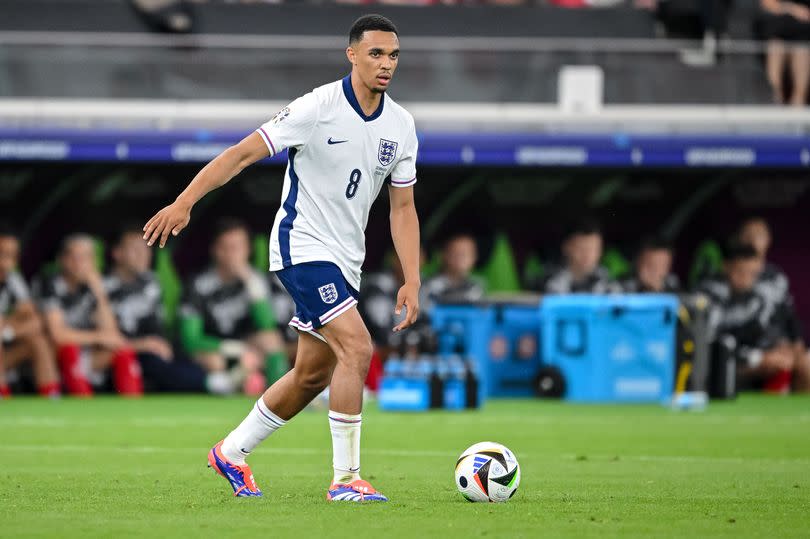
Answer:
(283, 400)
(123, 363)
(350, 340)
(36, 349)
(801, 371)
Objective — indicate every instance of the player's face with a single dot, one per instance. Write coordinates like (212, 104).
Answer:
(9, 254)
(133, 254)
(375, 59)
(78, 260)
(743, 274)
(757, 235)
(460, 255)
(653, 267)
(583, 252)
(232, 251)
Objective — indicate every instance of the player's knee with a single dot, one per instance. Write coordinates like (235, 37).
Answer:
(357, 350)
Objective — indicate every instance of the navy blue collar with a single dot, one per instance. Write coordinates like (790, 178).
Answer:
(348, 91)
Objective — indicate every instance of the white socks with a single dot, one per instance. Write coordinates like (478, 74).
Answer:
(261, 423)
(345, 446)
(258, 425)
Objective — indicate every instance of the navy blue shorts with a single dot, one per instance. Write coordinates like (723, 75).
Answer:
(320, 292)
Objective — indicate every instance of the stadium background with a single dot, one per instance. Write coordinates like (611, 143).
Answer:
(82, 79)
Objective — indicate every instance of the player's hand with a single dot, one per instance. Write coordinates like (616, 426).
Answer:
(170, 220)
(408, 297)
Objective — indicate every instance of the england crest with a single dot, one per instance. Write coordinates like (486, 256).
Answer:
(387, 152)
(329, 293)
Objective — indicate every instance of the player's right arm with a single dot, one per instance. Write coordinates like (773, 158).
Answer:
(175, 217)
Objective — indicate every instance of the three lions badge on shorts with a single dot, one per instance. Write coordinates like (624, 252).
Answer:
(329, 293)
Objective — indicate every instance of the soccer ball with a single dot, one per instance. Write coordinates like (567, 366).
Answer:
(487, 472)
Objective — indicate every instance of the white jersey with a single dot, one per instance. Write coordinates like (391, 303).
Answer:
(338, 161)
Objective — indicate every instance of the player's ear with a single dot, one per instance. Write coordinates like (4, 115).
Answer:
(350, 54)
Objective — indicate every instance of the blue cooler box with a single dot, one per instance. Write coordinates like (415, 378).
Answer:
(502, 339)
(612, 348)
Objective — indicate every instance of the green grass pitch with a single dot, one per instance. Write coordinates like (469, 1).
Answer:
(111, 467)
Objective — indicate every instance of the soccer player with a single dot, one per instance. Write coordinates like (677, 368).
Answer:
(135, 298)
(345, 139)
(226, 313)
(82, 325)
(774, 285)
(765, 354)
(23, 337)
(653, 269)
(582, 249)
(455, 283)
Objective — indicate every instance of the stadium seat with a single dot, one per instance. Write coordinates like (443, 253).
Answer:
(708, 260)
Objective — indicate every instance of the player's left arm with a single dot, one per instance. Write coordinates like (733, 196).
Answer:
(405, 233)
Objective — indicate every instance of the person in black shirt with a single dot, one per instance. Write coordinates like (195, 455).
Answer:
(82, 325)
(764, 351)
(135, 298)
(23, 337)
(455, 283)
(226, 313)
(582, 250)
(772, 283)
(653, 269)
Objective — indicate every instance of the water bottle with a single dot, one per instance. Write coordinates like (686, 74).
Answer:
(690, 400)
(472, 382)
(436, 381)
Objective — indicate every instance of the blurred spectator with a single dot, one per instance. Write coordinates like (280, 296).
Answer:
(786, 28)
(455, 283)
(165, 15)
(653, 271)
(226, 314)
(764, 352)
(23, 337)
(773, 284)
(135, 298)
(582, 251)
(693, 19)
(82, 325)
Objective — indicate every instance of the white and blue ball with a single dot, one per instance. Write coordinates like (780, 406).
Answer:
(487, 472)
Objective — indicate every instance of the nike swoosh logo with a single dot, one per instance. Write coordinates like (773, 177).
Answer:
(245, 451)
(330, 141)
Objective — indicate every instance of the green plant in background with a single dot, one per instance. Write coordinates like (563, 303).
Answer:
(708, 260)
(615, 262)
(170, 285)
